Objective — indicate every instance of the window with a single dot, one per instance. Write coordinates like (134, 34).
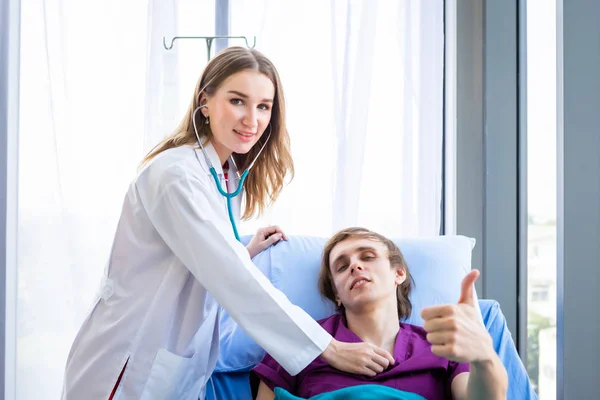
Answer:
(541, 195)
(540, 293)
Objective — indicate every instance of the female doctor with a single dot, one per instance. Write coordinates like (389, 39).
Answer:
(153, 332)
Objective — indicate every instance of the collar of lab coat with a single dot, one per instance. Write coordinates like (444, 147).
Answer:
(216, 162)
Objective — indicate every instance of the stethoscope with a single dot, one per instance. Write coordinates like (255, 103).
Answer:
(213, 172)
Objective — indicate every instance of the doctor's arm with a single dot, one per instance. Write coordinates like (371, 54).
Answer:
(199, 234)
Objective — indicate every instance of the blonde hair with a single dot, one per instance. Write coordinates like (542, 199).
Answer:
(395, 256)
(267, 177)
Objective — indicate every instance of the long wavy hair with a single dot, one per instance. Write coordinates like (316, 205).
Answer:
(395, 256)
(267, 177)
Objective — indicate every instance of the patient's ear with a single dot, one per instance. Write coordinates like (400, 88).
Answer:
(400, 274)
(338, 301)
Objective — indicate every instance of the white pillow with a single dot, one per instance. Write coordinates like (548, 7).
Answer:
(437, 265)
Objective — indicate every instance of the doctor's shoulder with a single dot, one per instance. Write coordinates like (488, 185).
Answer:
(178, 164)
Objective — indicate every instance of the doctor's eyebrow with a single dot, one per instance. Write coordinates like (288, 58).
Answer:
(245, 96)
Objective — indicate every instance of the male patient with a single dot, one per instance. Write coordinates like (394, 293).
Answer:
(366, 276)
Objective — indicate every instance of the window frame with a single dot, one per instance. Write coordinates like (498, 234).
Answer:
(578, 202)
(490, 153)
(491, 114)
(10, 28)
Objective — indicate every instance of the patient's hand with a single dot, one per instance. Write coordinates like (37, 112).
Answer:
(357, 358)
(264, 238)
(264, 392)
(455, 331)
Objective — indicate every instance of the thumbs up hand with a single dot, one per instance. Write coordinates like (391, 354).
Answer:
(466, 288)
(455, 331)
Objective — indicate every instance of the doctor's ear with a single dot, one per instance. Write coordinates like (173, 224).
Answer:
(203, 101)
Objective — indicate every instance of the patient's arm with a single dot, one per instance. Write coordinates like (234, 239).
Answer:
(264, 393)
(456, 333)
(486, 380)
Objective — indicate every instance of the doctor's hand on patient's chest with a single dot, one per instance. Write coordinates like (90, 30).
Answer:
(455, 330)
(357, 358)
(264, 238)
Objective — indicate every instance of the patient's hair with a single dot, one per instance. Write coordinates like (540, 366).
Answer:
(266, 178)
(394, 255)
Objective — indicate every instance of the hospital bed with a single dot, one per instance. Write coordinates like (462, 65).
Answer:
(437, 265)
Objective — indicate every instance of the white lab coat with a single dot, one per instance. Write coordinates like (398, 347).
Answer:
(173, 258)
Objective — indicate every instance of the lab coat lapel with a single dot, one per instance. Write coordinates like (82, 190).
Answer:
(232, 185)
(233, 179)
(213, 156)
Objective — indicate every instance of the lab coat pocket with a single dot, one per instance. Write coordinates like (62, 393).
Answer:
(176, 377)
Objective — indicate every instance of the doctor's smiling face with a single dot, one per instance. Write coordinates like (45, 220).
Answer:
(237, 105)
(239, 112)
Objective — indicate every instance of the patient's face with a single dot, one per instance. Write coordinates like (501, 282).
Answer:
(362, 274)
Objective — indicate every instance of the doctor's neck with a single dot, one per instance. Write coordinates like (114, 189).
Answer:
(223, 152)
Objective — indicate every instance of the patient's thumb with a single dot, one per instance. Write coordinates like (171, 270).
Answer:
(466, 292)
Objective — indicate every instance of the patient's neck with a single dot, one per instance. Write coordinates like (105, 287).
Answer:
(377, 324)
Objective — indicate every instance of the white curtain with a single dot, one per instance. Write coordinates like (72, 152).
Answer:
(363, 83)
(98, 90)
(364, 89)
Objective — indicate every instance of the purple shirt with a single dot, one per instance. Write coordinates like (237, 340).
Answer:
(416, 370)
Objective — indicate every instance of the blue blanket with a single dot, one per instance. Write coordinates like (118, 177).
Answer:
(361, 392)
